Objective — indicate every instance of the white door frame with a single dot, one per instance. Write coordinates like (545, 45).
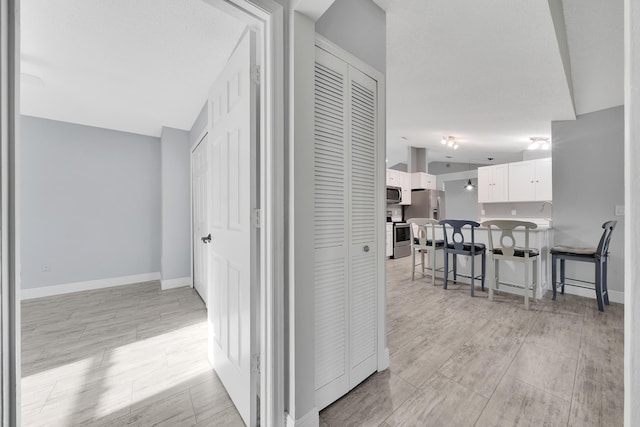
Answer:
(268, 16)
(9, 210)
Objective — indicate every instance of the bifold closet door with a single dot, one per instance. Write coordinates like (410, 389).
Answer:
(345, 280)
(363, 200)
(330, 228)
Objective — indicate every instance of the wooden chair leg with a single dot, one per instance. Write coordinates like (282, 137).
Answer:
(432, 256)
(493, 282)
(605, 289)
(599, 285)
(446, 269)
(473, 275)
(422, 261)
(535, 279)
(413, 263)
(554, 258)
(526, 285)
(455, 268)
(562, 275)
(484, 267)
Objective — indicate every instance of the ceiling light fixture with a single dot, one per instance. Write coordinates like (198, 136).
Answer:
(450, 141)
(539, 142)
(469, 186)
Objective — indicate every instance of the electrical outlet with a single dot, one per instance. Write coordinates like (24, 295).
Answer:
(483, 212)
(45, 268)
(619, 210)
(513, 212)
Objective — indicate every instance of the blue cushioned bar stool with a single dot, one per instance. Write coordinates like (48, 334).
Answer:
(457, 246)
(597, 256)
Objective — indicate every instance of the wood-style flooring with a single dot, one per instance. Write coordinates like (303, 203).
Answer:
(136, 355)
(462, 361)
(124, 356)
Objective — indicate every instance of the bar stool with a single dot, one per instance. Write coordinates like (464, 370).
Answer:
(598, 256)
(457, 246)
(508, 251)
(421, 243)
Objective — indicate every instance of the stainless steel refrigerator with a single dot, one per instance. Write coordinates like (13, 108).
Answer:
(426, 204)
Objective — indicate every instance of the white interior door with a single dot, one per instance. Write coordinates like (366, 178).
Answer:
(362, 255)
(234, 292)
(200, 211)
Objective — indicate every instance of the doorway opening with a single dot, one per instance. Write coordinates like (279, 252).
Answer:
(267, 21)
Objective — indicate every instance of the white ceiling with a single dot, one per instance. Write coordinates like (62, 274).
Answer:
(491, 73)
(130, 65)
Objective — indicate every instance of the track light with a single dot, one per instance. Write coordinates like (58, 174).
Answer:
(539, 142)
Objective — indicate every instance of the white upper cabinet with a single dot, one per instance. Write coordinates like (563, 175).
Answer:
(493, 184)
(402, 180)
(405, 184)
(530, 180)
(393, 178)
(423, 181)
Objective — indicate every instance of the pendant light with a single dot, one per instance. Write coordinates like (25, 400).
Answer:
(469, 186)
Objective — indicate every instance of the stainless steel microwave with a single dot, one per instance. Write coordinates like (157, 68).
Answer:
(394, 195)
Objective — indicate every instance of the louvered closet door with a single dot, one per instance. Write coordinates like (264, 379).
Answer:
(345, 279)
(362, 262)
(330, 229)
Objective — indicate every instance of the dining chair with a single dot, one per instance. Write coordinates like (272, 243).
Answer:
(457, 246)
(508, 250)
(598, 256)
(420, 242)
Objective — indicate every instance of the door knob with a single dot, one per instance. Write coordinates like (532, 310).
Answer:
(206, 239)
(366, 248)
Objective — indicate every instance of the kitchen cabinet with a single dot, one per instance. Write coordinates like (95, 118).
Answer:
(402, 180)
(493, 184)
(530, 180)
(389, 234)
(423, 181)
(405, 184)
(394, 178)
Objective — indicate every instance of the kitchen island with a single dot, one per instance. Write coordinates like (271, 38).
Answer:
(540, 238)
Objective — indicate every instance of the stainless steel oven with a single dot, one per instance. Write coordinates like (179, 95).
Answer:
(401, 240)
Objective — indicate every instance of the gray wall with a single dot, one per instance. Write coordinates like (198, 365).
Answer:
(439, 168)
(588, 181)
(176, 211)
(359, 27)
(90, 203)
(461, 203)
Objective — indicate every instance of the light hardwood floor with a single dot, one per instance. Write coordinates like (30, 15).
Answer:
(135, 355)
(124, 356)
(462, 361)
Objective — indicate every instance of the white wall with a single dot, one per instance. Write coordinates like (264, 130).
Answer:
(359, 27)
(632, 221)
(90, 203)
(175, 176)
(588, 181)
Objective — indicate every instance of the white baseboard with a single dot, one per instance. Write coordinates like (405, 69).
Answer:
(310, 419)
(614, 296)
(175, 283)
(67, 288)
